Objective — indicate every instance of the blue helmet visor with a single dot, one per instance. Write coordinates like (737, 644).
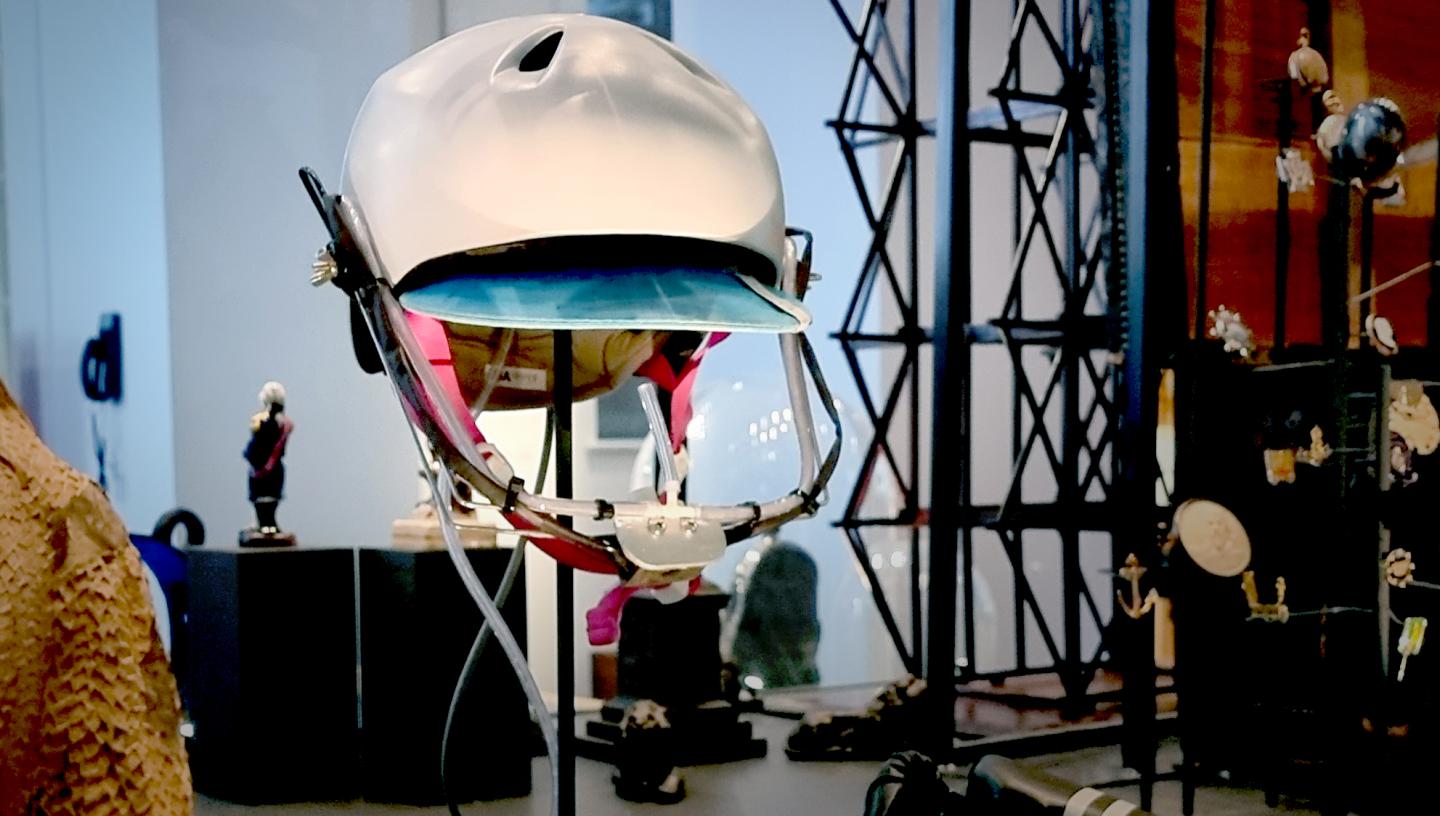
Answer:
(663, 298)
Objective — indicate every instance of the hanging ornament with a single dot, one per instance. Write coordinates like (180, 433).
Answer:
(1370, 142)
(1381, 334)
(1306, 65)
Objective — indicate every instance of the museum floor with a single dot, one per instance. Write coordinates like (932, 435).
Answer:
(776, 786)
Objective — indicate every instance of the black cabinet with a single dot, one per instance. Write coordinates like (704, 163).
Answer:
(273, 673)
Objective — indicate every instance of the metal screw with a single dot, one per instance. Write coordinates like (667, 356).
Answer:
(323, 269)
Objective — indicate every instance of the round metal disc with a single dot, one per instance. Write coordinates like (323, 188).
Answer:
(1213, 537)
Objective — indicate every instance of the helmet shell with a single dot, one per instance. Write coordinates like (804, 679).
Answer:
(555, 126)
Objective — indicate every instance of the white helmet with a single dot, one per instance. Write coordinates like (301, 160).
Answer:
(570, 173)
(567, 172)
(578, 146)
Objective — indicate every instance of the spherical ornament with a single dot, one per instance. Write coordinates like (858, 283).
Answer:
(1371, 141)
(1306, 65)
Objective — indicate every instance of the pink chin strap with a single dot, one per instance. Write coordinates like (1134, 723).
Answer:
(430, 334)
(602, 622)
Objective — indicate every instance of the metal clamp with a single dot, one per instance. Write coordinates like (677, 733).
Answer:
(1137, 607)
(1276, 612)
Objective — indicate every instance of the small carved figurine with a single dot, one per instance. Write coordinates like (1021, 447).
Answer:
(1318, 452)
(269, 433)
(1227, 327)
(1279, 465)
(1413, 416)
(1306, 65)
(1381, 334)
(1328, 135)
(644, 766)
(1414, 428)
(1294, 171)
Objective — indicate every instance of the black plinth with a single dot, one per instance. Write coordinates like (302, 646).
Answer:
(272, 663)
(417, 624)
(670, 653)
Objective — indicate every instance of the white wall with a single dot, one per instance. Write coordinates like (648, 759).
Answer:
(253, 91)
(85, 226)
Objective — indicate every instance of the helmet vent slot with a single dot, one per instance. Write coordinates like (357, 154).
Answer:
(539, 57)
(690, 64)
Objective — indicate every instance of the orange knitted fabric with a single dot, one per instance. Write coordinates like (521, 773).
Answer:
(89, 714)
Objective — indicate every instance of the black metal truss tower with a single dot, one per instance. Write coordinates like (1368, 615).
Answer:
(887, 287)
(1092, 139)
(1058, 328)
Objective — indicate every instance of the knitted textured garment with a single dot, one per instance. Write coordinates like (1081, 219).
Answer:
(89, 714)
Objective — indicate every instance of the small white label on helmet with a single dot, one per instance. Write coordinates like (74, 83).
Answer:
(522, 379)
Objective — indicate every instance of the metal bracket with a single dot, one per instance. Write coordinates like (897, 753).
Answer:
(1276, 612)
(671, 545)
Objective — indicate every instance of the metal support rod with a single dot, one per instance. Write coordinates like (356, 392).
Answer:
(1335, 269)
(912, 500)
(913, 262)
(1432, 321)
(1367, 253)
(1150, 234)
(1386, 479)
(950, 418)
(1202, 228)
(1285, 131)
(1019, 585)
(564, 575)
(1074, 677)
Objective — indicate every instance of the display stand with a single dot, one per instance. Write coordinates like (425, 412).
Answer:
(272, 667)
(1243, 682)
(564, 575)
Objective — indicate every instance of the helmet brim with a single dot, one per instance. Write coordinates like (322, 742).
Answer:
(645, 297)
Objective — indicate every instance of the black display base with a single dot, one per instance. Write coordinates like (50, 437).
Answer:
(708, 734)
(417, 624)
(251, 537)
(272, 662)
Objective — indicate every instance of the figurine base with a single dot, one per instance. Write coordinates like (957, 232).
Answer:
(707, 734)
(252, 537)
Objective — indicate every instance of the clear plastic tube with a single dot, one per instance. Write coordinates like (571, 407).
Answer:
(441, 495)
(664, 451)
(501, 632)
